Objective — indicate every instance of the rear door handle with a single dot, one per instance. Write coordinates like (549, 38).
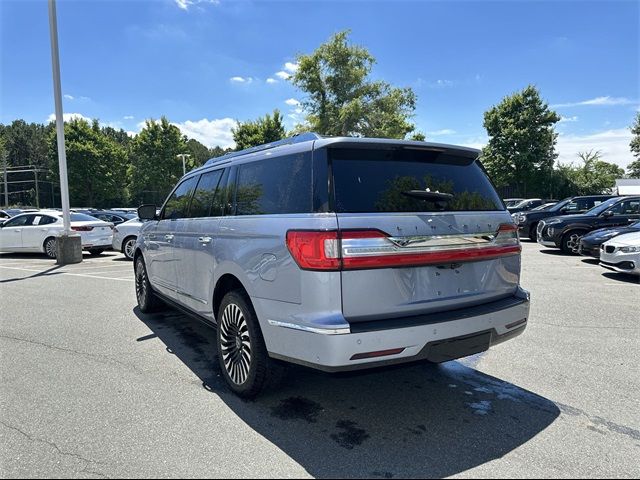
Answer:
(204, 240)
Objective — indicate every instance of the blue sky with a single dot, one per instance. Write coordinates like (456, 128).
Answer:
(205, 63)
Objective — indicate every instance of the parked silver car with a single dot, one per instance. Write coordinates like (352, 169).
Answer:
(338, 254)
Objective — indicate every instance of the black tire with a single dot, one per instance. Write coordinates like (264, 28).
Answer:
(148, 301)
(50, 249)
(571, 241)
(94, 252)
(533, 232)
(242, 354)
(128, 247)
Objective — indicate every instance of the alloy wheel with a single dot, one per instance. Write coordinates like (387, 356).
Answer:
(129, 248)
(50, 248)
(574, 242)
(141, 283)
(236, 344)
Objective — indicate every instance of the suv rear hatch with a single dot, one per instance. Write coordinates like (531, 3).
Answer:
(422, 230)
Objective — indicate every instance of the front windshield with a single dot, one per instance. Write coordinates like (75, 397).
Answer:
(598, 209)
(559, 205)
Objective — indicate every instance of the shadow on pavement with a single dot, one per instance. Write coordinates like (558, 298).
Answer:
(408, 421)
(622, 277)
(591, 261)
(553, 251)
(46, 273)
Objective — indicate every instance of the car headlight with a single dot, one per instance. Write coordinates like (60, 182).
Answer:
(522, 218)
(630, 249)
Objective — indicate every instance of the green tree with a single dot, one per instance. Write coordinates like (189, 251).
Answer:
(635, 140)
(96, 164)
(154, 167)
(633, 170)
(119, 136)
(265, 129)
(342, 100)
(26, 143)
(520, 151)
(595, 176)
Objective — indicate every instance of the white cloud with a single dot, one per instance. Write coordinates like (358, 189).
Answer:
(614, 145)
(185, 4)
(216, 132)
(246, 80)
(444, 131)
(291, 67)
(283, 75)
(437, 83)
(568, 119)
(128, 117)
(68, 117)
(68, 97)
(271, 80)
(131, 134)
(598, 101)
(292, 102)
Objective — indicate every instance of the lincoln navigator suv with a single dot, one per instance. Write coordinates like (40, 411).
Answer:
(337, 254)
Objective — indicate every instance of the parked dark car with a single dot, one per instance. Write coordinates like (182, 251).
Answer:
(565, 232)
(111, 216)
(590, 243)
(511, 202)
(528, 221)
(526, 204)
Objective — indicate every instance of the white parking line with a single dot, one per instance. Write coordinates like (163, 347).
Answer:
(67, 273)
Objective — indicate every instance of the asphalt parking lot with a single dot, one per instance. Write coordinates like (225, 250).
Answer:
(91, 387)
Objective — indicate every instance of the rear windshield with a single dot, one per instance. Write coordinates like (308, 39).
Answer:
(81, 217)
(367, 181)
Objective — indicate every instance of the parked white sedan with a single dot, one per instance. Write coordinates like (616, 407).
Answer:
(37, 231)
(622, 253)
(125, 236)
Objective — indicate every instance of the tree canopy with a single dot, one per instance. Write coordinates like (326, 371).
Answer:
(520, 150)
(265, 129)
(342, 100)
(155, 167)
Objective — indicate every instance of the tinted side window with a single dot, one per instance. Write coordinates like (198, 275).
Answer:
(19, 221)
(177, 206)
(627, 207)
(275, 186)
(202, 204)
(47, 220)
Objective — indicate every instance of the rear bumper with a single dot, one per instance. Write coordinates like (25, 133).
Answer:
(434, 338)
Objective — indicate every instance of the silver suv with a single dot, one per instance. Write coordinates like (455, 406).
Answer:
(338, 254)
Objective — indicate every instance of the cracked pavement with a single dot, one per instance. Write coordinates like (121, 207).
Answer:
(91, 388)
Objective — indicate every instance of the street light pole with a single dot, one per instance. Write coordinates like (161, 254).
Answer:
(184, 166)
(69, 247)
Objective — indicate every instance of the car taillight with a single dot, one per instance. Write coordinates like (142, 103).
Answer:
(82, 229)
(314, 250)
(365, 249)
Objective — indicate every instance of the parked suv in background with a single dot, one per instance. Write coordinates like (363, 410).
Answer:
(528, 221)
(565, 232)
(336, 253)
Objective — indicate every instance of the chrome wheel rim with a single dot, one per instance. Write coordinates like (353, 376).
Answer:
(236, 344)
(141, 283)
(574, 242)
(50, 248)
(128, 248)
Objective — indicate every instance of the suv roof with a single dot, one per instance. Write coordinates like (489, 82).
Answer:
(309, 140)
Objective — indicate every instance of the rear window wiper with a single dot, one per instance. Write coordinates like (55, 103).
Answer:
(428, 195)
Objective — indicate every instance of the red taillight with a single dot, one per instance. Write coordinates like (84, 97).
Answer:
(82, 229)
(314, 250)
(365, 249)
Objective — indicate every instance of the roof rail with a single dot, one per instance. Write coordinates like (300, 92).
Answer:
(303, 137)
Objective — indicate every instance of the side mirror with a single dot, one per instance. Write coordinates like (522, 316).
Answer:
(607, 214)
(147, 212)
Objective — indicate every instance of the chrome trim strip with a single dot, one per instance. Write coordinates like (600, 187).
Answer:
(304, 328)
(180, 292)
